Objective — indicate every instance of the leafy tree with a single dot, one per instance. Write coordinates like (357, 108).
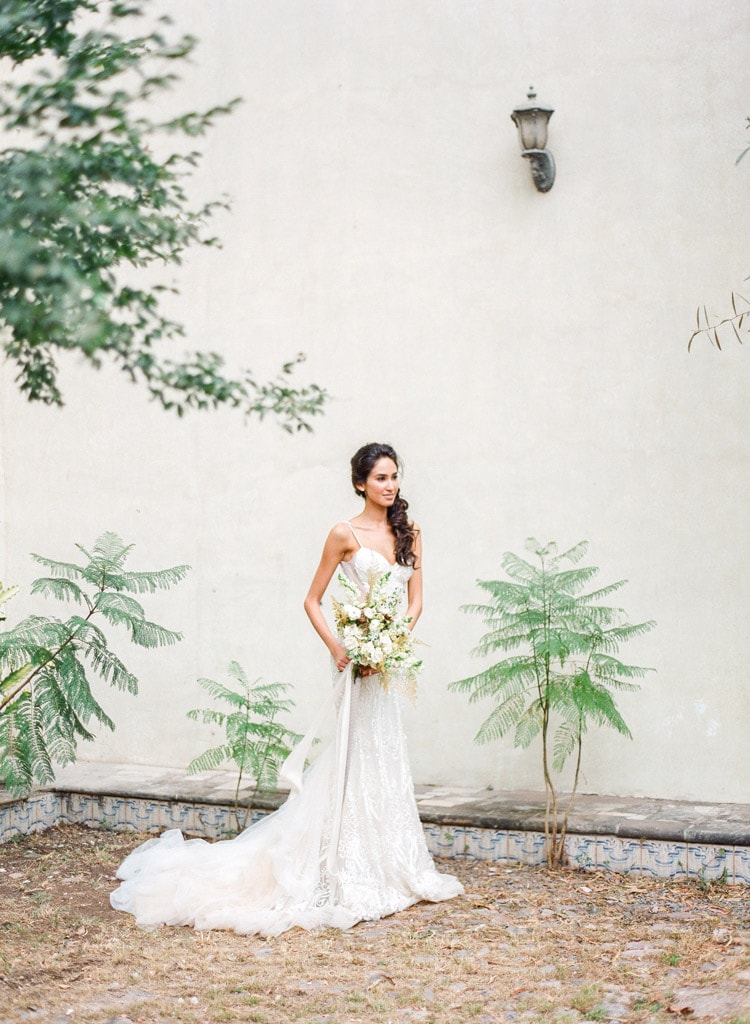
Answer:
(46, 698)
(255, 741)
(561, 665)
(85, 197)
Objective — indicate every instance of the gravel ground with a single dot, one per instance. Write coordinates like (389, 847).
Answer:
(523, 944)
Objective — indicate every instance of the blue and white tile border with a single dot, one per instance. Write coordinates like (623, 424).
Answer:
(638, 857)
(647, 858)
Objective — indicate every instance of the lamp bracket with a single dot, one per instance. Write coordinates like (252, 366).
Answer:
(542, 168)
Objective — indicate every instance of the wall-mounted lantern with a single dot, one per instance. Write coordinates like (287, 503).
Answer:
(531, 122)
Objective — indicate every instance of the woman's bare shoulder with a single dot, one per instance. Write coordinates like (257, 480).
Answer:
(341, 539)
(341, 532)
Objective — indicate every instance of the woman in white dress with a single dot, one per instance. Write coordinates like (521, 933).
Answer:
(347, 845)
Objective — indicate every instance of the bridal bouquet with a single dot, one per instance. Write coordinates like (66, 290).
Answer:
(376, 635)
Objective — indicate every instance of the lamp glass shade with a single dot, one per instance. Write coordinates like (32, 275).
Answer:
(532, 126)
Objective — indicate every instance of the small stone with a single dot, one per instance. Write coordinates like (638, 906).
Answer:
(615, 1011)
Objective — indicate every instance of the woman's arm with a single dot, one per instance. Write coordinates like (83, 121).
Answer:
(339, 545)
(414, 590)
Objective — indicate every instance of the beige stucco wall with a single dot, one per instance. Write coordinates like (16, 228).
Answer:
(525, 352)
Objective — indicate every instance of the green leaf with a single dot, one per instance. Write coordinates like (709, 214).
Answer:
(119, 607)
(67, 570)
(150, 582)
(62, 589)
(110, 550)
(151, 634)
(211, 759)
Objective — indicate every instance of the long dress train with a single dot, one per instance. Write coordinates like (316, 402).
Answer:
(346, 846)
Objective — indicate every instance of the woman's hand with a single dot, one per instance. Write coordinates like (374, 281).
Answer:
(339, 655)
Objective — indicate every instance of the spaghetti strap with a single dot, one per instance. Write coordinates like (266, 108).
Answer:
(354, 532)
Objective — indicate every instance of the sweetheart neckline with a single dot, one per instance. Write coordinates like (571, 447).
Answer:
(364, 547)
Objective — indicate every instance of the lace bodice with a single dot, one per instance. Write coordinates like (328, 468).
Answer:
(366, 561)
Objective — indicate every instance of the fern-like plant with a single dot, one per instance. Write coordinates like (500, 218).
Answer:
(255, 741)
(46, 697)
(560, 666)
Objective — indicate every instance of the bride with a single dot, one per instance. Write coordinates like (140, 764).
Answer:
(347, 845)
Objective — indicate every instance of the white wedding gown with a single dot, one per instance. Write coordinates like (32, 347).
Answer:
(347, 845)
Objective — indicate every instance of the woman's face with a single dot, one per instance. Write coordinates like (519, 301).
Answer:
(381, 486)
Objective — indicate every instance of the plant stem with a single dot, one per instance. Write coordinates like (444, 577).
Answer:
(564, 826)
(550, 809)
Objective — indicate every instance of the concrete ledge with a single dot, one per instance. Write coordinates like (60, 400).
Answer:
(625, 817)
(520, 810)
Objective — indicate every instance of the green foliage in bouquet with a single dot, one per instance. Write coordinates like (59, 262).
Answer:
(46, 664)
(256, 743)
(93, 192)
(560, 666)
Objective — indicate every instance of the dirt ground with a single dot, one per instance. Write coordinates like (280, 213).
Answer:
(521, 945)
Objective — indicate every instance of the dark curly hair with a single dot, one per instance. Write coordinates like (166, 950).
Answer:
(362, 464)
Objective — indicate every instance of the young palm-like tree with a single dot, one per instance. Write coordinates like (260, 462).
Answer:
(560, 668)
(46, 696)
(255, 741)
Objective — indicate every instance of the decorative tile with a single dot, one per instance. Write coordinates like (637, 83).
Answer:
(663, 859)
(581, 851)
(486, 844)
(22, 817)
(176, 815)
(527, 848)
(445, 842)
(741, 872)
(213, 821)
(709, 863)
(620, 855)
